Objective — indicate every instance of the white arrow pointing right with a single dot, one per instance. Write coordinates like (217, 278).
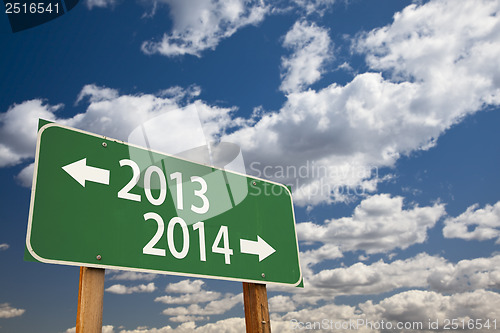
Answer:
(259, 247)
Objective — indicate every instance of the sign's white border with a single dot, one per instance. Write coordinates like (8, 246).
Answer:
(71, 263)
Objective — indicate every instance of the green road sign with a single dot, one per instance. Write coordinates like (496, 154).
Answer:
(100, 202)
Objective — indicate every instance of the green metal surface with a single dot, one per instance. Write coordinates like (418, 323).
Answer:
(73, 224)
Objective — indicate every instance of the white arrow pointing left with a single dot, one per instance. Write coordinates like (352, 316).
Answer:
(259, 247)
(81, 172)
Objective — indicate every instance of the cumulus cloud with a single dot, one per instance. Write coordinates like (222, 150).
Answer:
(197, 312)
(466, 275)
(100, 3)
(337, 313)
(200, 25)
(229, 325)
(105, 329)
(7, 311)
(314, 6)
(311, 50)
(25, 177)
(96, 94)
(179, 93)
(192, 292)
(421, 306)
(116, 116)
(379, 224)
(199, 297)
(422, 271)
(281, 303)
(412, 307)
(130, 276)
(475, 224)
(309, 258)
(434, 65)
(185, 286)
(122, 290)
(107, 113)
(441, 35)
(18, 130)
(376, 278)
(339, 135)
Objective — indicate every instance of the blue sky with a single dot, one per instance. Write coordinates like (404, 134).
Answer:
(390, 108)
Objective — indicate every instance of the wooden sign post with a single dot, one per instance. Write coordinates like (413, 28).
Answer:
(256, 308)
(90, 299)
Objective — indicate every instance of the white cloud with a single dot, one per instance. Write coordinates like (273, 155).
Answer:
(105, 329)
(438, 42)
(340, 135)
(281, 303)
(315, 6)
(178, 93)
(325, 252)
(311, 50)
(100, 3)
(198, 297)
(18, 128)
(192, 293)
(302, 319)
(96, 94)
(412, 307)
(185, 287)
(479, 273)
(115, 116)
(376, 278)
(7, 311)
(187, 318)
(475, 224)
(422, 271)
(216, 307)
(310, 258)
(130, 276)
(108, 329)
(422, 306)
(441, 62)
(25, 177)
(4, 246)
(200, 25)
(229, 325)
(122, 290)
(379, 224)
